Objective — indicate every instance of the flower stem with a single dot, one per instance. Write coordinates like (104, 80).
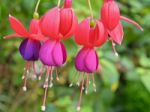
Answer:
(36, 15)
(91, 11)
(58, 4)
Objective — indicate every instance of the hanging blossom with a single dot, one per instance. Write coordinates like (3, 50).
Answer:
(90, 34)
(57, 24)
(111, 18)
(30, 46)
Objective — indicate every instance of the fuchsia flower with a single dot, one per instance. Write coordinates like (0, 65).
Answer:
(89, 34)
(60, 24)
(110, 16)
(57, 24)
(30, 46)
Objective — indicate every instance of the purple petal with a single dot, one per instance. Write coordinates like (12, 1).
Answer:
(46, 53)
(91, 61)
(64, 53)
(79, 60)
(29, 49)
(59, 54)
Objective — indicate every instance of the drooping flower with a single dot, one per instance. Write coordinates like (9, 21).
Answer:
(90, 34)
(111, 18)
(57, 24)
(30, 46)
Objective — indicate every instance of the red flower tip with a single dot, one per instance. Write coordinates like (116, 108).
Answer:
(90, 36)
(11, 36)
(20, 30)
(110, 14)
(18, 27)
(132, 22)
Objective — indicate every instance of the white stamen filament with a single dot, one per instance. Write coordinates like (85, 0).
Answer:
(57, 77)
(87, 84)
(46, 88)
(41, 72)
(114, 50)
(47, 78)
(51, 78)
(94, 85)
(79, 80)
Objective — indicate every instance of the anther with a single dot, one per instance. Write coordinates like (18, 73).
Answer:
(43, 108)
(71, 85)
(51, 85)
(78, 108)
(57, 77)
(24, 88)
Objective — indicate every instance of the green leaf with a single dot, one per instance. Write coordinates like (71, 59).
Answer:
(109, 72)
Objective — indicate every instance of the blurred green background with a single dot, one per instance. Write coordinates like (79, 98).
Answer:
(123, 85)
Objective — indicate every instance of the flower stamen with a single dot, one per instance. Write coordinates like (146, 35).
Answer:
(57, 77)
(25, 75)
(41, 72)
(34, 70)
(74, 79)
(43, 107)
(81, 92)
(47, 78)
(51, 78)
(114, 49)
(94, 85)
(79, 80)
(87, 84)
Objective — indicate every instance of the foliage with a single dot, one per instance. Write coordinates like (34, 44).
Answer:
(123, 85)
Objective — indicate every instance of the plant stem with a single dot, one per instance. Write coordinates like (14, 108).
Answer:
(91, 11)
(58, 4)
(37, 6)
(36, 14)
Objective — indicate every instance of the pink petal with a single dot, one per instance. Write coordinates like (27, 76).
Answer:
(58, 54)
(49, 23)
(74, 23)
(12, 36)
(45, 53)
(91, 61)
(18, 27)
(82, 32)
(34, 26)
(132, 22)
(117, 34)
(110, 14)
(64, 52)
(79, 60)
